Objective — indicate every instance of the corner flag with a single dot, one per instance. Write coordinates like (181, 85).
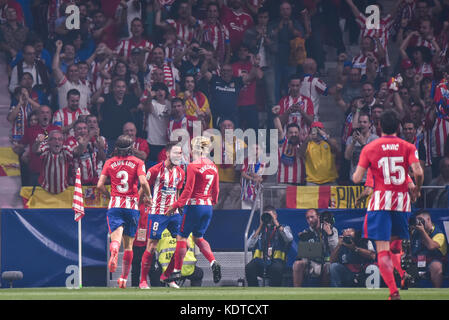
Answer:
(78, 202)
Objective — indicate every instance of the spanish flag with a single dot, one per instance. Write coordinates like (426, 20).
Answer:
(308, 197)
(9, 163)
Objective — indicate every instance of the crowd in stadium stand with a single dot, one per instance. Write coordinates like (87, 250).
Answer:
(148, 67)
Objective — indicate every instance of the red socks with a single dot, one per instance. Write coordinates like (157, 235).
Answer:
(127, 260)
(180, 253)
(396, 253)
(114, 246)
(204, 247)
(386, 270)
(145, 266)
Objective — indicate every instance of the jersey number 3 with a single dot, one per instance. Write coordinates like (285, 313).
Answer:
(391, 166)
(123, 187)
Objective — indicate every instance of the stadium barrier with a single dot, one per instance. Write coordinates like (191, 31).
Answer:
(43, 243)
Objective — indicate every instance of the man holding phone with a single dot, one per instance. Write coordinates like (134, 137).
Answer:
(361, 136)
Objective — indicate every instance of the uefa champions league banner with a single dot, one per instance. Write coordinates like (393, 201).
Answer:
(43, 243)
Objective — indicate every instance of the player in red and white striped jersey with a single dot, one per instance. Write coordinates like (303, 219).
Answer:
(389, 159)
(167, 179)
(55, 161)
(125, 172)
(199, 195)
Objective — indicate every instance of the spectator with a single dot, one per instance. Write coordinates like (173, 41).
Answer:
(409, 134)
(270, 244)
(229, 169)
(65, 118)
(89, 154)
(236, 20)
(286, 28)
(170, 73)
(30, 142)
(29, 64)
(126, 13)
(350, 258)
(158, 109)
(136, 40)
(261, 40)
(196, 102)
(104, 30)
(319, 152)
(55, 159)
(376, 111)
(345, 91)
(246, 103)
(13, 34)
(312, 86)
(117, 109)
(66, 82)
(7, 4)
(429, 248)
(67, 57)
(420, 56)
(216, 33)
(252, 176)
(355, 143)
(296, 108)
(20, 111)
(189, 61)
(368, 94)
(184, 23)
(35, 92)
(140, 147)
(323, 232)
(225, 90)
(291, 164)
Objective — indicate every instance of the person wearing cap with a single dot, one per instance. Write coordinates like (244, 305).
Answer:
(319, 152)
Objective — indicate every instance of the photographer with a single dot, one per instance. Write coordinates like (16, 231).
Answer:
(321, 230)
(350, 258)
(270, 244)
(428, 247)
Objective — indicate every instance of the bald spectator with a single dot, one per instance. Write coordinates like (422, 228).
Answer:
(312, 86)
(55, 159)
(140, 147)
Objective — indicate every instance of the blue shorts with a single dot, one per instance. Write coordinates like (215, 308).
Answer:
(157, 223)
(196, 220)
(128, 218)
(382, 225)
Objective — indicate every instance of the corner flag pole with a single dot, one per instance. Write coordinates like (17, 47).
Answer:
(78, 207)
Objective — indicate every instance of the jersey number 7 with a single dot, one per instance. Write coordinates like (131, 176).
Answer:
(210, 178)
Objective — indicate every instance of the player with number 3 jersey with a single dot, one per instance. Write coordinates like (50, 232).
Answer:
(125, 172)
(199, 195)
(389, 159)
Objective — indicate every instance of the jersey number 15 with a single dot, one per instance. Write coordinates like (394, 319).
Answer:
(391, 166)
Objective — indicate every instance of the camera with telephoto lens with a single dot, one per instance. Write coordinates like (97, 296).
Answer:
(266, 218)
(348, 239)
(327, 216)
(416, 221)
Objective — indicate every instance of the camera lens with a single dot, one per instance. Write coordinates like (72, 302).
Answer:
(266, 218)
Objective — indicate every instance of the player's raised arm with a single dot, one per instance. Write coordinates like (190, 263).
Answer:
(362, 167)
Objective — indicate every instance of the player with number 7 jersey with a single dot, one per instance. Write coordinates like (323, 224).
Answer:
(125, 172)
(199, 195)
(386, 221)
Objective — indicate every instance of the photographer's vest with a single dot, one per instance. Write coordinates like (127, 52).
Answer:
(418, 248)
(274, 241)
(166, 248)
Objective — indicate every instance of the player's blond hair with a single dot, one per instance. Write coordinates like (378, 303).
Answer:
(201, 144)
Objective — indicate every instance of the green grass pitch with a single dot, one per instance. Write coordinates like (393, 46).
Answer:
(218, 293)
